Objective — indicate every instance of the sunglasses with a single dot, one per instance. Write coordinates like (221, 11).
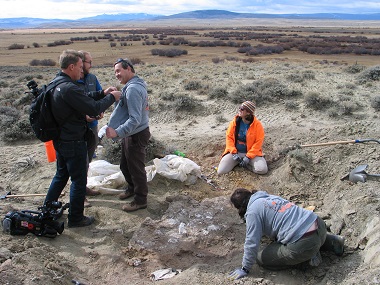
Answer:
(122, 60)
(242, 108)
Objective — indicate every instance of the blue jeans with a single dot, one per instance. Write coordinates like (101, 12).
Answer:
(72, 160)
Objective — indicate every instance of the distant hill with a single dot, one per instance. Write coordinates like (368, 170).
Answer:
(104, 19)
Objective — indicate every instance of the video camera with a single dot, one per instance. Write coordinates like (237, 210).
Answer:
(33, 86)
(40, 223)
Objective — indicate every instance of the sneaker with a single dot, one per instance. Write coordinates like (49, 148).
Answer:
(316, 260)
(86, 221)
(86, 204)
(126, 194)
(92, 192)
(338, 245)
(133, 206)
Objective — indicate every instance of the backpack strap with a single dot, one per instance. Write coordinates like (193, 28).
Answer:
(56, 81)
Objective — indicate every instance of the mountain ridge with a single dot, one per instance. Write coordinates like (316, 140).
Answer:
(103, 19)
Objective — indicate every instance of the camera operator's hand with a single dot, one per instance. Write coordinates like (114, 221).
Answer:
(90, 119)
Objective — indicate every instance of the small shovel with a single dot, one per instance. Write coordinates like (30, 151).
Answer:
(358, 174)
(8, 195)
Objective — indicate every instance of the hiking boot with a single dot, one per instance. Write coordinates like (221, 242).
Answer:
(126, 195)
(86, 221)
(133, 206)
(92, 192)
(316, 260)
(338, 245)
(86, 204)
(334, 243)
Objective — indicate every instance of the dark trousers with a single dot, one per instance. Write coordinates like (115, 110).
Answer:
(72, 163)
(132, 164)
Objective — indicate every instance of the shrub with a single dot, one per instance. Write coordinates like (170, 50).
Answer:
(375, 103)
(370, 74)
(264, 91)
(44, 62)
(136, 60)
(291, 105)
(315, 101)
(36, 45)
(218, 93)
(16, 46)
(185, 103)
(20, 130)
(4, 84)
(217, 60)
(193, 85)
(8, 116)
(356, 68)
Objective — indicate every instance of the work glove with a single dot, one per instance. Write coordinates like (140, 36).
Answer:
(244, 162)
(237, 274)
(236, 157)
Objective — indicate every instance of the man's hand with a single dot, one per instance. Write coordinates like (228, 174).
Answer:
(111, 133)
(116, 94)
(237, 274)
(244, 162)
(109, 90)
(236, 157)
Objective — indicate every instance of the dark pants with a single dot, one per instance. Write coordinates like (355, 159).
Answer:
(72, 163)
(92, 143)
(277, 256)
(132, 164)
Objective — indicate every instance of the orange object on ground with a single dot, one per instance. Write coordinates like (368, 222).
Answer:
(50, 151)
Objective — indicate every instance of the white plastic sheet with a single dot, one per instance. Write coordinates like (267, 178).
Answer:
(105, 176)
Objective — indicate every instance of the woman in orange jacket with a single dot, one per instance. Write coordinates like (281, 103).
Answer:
(244, 140)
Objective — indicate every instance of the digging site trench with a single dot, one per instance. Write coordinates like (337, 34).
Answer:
(193, 229)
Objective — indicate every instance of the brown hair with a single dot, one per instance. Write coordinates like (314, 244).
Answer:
(240, 199)
(68, 57)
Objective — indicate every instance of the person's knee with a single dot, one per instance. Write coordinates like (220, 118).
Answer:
(261, 170)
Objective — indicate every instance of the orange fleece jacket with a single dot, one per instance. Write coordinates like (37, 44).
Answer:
(255, 138)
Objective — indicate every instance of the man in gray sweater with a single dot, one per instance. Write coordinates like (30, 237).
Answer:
(298, 233)
(130, 123)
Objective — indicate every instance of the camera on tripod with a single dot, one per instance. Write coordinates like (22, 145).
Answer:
(40, 223)
(33, 87)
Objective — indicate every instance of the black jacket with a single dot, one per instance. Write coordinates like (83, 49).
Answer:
(70, 104)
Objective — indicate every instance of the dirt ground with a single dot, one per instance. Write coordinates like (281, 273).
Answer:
(125, 248)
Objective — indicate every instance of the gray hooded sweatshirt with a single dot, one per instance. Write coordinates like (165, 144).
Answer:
(131, 114)
(276, 218)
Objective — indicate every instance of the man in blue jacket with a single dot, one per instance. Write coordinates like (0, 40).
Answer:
(91, 84)
(130, 123)
(298, 233)
(70, 104)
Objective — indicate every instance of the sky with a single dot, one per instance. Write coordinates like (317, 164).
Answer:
(76, 9)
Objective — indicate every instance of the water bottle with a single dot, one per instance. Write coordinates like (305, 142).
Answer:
(177, 152)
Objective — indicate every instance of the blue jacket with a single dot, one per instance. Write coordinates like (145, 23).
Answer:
(276, 218)
(91, 84)
(131, 114)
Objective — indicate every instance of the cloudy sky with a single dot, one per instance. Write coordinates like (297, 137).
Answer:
(75, 9)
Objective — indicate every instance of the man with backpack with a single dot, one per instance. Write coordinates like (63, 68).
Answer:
(70, 104)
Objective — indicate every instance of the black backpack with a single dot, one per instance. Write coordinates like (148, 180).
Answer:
(41, 116)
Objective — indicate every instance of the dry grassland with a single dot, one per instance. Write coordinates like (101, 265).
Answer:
(103, 54)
